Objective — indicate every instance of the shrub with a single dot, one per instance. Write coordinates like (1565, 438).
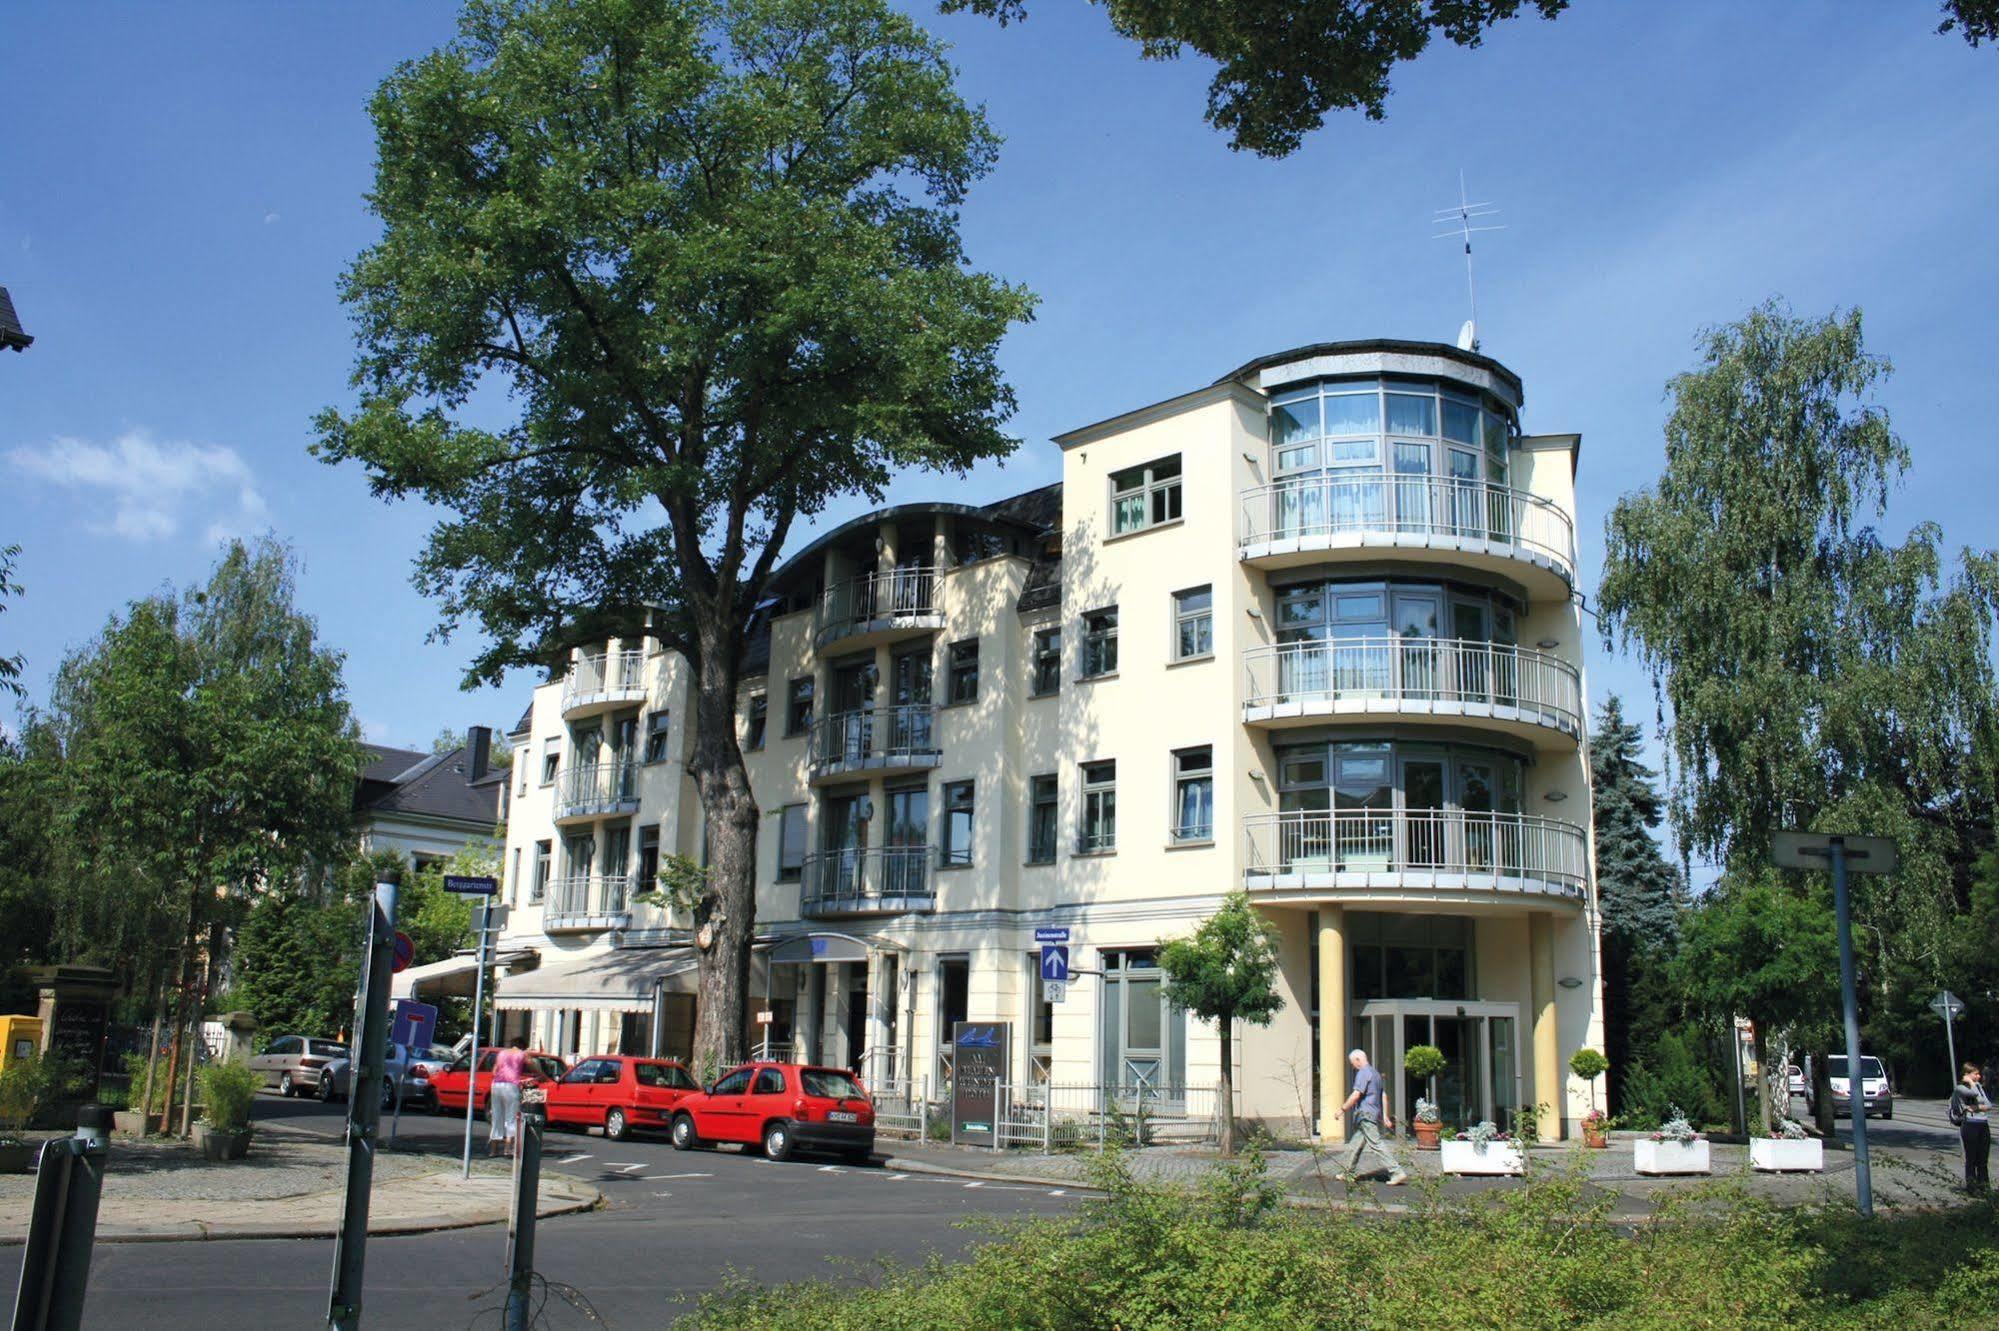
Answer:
(1424, 1061)
(1588, 1064)
(30, 1085)
(1673, 1074)
(227, 1092)
(135, 1074)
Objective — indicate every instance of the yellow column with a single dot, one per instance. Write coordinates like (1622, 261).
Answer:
(1548, 1090)
(1332, 981)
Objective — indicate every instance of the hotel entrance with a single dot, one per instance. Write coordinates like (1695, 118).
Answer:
(1480, 1043)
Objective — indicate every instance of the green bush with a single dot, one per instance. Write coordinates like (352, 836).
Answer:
(1675, 1072)
(135, 1074)
(1424, 1061)
(1589, 1064)
(30, 1085)
(227, 1092)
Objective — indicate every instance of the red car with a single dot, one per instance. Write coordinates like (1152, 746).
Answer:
(619, 1094)
(781, 1107)
(449, 1085)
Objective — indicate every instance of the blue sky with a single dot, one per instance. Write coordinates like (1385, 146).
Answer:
(181, 184)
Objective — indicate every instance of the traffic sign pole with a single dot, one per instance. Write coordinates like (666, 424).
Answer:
(478, 1007)
(364, 1110)
(1947, 1005)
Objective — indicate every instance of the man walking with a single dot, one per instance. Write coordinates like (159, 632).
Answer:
(1369, 1105)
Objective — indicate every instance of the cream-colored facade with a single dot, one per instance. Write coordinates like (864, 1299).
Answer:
(1317, 641)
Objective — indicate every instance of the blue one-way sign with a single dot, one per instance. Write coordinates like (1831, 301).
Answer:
(1055, 961)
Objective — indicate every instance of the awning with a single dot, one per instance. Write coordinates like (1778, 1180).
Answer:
(451, 978)
(619, 980)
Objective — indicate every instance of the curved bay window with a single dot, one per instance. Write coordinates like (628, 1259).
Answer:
(1394, 639)
(1383, 807)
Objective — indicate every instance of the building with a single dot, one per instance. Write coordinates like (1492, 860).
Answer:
(1309, 631)
(430, 806)
(13, 337)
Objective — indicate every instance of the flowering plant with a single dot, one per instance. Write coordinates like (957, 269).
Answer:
(1790, 1130)
(1426, 1111)
(1485, 1132)
(1677, 1129)
(1597, 1121)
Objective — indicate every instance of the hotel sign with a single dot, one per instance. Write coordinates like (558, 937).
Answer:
(979, 1060)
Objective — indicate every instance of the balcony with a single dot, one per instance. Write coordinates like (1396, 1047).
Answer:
(1528, 694)
(897, 738)
(866, 880)
(878, 607)
(1443, 855)
(1438, 519)
(587, 903)
(596, 790)
(602, 682)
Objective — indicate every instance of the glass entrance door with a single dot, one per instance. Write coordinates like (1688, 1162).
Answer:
(1481, 1072)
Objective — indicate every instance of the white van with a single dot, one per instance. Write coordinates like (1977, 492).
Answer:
(1877, 1096)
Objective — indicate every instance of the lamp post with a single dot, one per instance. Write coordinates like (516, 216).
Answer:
(1859, 854)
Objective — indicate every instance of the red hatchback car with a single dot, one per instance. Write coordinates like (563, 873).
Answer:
(781, 1107)
(449, 1085)
(619, 1094)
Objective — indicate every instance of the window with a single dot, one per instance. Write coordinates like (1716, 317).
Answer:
(1047, 662)
(544, 856)
(1041, 815)
(525, 767)
(1193, 623)
(1145, 496)
(514, 883)
(735, 1083)
(657, 726)
(665, 1076)
(962, 678)
(753, 731)
(646, 876)
(769, 1082)
(791, 843)
(957, 843)
(1100, 642)
(954, 1004)
(551, 758)
(1099, 831)
(1194, 794)
(798, 707)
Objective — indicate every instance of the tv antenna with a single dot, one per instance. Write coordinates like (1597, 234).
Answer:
(1460, 223)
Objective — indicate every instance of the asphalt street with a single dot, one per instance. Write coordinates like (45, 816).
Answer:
(675, 1225)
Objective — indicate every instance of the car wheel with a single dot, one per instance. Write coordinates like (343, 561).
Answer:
(777, 1140)
(615, 1127)
(685, 1138)
(285, 1086)
(325, 1089)
(1887, 1113)
(388, 1094)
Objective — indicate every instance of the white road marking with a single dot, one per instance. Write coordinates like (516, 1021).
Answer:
(572, 1159)
(829, 1169)
(655, 1178)
(897, 1178)
(626, 1169)
(978, 1184)
(1058, 1192)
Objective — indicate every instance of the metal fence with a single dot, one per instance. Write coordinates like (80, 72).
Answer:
(891, 736)
(904, 591)
(1067, 1116)
(592, 678)
(1356, 502)
(866, 878)
(902, 1107)
(591, 788)
(1452, 843)
(1357, 671)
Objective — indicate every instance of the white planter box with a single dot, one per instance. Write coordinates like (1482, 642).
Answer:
(1782, 1155)
(1463, 1157)
(1652, 1157)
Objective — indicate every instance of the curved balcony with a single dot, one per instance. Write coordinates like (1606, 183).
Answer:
(866, 880)
(894, 738)
(602, 682)
(1443, 855)
(1525, 693)
(878, 607)
(1425, 518)
(596, 790)
(587, 903)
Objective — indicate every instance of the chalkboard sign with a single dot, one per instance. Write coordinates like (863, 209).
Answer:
(979, 1060)
(78, 1035)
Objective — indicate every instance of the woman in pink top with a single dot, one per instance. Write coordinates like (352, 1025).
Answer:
(503, 1102)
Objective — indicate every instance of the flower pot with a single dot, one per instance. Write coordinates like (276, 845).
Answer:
(1650, 1157)
(1464, 1157)
(17, 1157)
(1426, 1134)
(217, 1144)
(133, 1123)
(1780, 1155)
(1596, 1136)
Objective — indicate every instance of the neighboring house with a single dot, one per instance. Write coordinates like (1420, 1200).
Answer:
(430, 806)
(1309, 631)
(13, 337)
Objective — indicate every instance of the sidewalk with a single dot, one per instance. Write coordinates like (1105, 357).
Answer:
(291, 1186)
(1904, 1177)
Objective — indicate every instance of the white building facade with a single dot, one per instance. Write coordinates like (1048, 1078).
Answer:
(1309, 632)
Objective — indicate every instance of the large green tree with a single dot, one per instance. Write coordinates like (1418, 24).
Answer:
(699, 260)
(1226, 972)
(10, 666)
(1641, 895)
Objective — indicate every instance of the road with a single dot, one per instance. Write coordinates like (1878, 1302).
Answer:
(674, 1226)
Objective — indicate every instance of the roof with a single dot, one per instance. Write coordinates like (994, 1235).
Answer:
(427, 785)
(1393, 345)
(1036, 510)
(12, 335)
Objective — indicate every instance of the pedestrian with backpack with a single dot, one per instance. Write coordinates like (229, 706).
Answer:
(1971, 1111)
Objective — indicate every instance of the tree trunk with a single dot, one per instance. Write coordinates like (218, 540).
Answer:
(1763, 1101)
(725, 915)
(176, 1050)
(1227, 1107)
(1822, 1091)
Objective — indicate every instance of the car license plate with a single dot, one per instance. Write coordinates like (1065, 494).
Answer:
(842, 1116)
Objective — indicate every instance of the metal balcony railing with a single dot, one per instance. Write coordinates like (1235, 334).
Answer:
(907, 591)
(596, 788)
(891, 736)
(867, 879)
(604, 677)
(589, 894)
(1421, 844)
(1343, 503)
(1349, 674)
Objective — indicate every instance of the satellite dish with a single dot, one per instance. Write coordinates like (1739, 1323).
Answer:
(1468, 337)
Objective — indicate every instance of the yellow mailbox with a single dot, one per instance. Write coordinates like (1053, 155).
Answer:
(20, 1038)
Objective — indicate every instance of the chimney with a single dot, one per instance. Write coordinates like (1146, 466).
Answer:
(479, 741)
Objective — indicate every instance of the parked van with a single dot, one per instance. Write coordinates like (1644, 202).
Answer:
(1877, 1096)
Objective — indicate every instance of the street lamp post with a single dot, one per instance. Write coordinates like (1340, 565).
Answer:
(1813, 850)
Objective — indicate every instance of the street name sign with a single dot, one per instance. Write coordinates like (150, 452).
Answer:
(1813, 850)
(468, 886)
(1052, 934)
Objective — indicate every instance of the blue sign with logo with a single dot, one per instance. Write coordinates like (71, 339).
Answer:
(1055, 962)
(1052, 934)
(413, 1024)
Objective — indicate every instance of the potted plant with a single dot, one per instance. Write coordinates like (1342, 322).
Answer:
(1422, 1063)
(1791, 1150)
(227, 1092)
(26, 1085)
(1676, 1148)
(1427, 1124)
(137, 1119)
(1589, 1064)
(1483, 1149)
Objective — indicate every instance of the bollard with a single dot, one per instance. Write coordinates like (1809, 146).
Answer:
(520, 1221)
(55, 1266)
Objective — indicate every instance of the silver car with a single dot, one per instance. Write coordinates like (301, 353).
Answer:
(295, 1063)
(401, 1072)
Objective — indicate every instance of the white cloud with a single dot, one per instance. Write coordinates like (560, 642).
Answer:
(149, 486)
(269, 218)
